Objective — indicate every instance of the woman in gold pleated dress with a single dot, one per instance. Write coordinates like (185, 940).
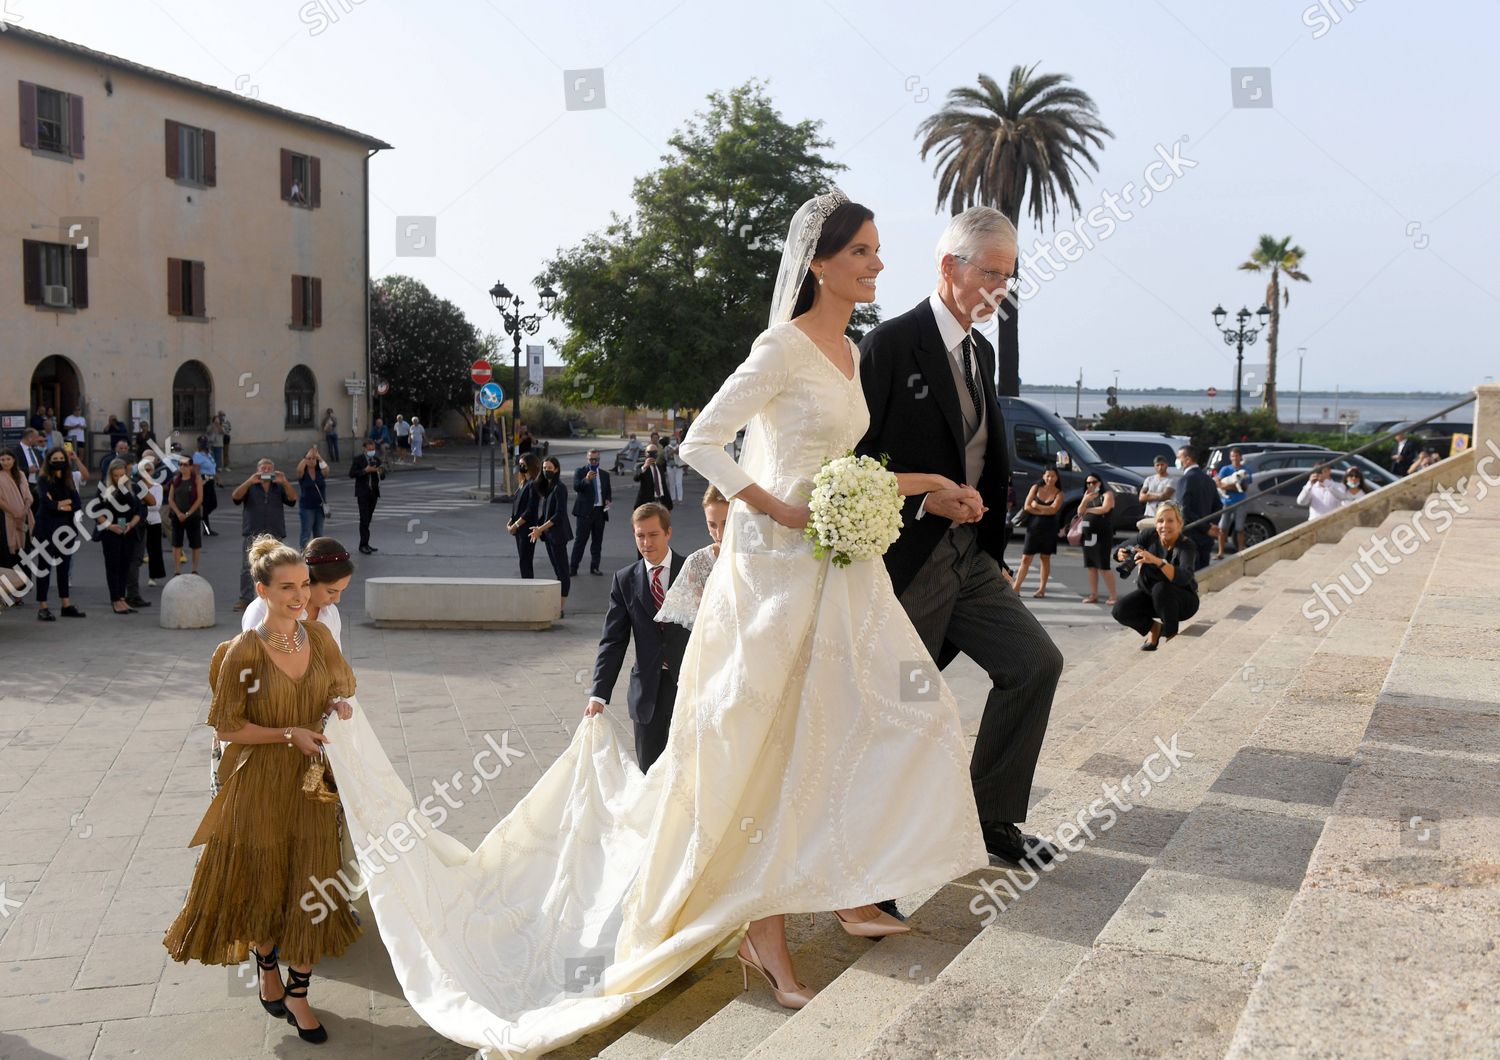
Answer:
(266, 841)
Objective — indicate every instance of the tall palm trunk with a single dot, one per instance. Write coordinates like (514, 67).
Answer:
(1271, 340)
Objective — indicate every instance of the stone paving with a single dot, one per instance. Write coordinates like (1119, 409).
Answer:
(104, 771)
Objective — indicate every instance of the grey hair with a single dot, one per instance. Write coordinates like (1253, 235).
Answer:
(975, 229)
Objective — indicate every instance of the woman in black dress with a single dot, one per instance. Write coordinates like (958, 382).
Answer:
(1043, 503)
(553, 528)
(1096, 507)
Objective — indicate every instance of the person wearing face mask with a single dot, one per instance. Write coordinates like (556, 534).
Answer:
(524, 512)
(552, 528)
(591, 500)
(120, 516)
(59, 504)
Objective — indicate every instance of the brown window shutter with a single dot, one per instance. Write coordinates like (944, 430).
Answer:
(315, 178)
(75, 126)
(174, 151)
(286, 174)
(31, 259)
(298, 308)
(80, 278)
(28, 114)
(174, 286)
(210, 159)
(199, 301)
(317, 302)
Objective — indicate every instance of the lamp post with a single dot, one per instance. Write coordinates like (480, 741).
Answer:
(1300, 351)
(516, 325)
(1240, 337)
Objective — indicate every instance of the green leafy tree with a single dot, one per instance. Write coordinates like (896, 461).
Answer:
(663, 304)
(423, 345)
(1021, 144)
(1279, 258)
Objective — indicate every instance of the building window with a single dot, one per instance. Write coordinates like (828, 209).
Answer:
(185, 289)
(191, 154)
(301, 397)
(55, 275)
(307, 303)
(301, 179)
(51, 121)
(192, 397)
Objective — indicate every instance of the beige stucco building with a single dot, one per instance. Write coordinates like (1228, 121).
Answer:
(170, 243)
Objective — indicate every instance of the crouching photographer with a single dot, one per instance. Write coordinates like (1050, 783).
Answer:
(1166, 592)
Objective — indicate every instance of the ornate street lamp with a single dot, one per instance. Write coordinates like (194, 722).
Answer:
(1240, 337)
(515, 325)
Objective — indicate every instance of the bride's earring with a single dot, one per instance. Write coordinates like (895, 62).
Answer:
(820, 279)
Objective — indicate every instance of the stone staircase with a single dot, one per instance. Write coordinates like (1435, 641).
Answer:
(1262, 895)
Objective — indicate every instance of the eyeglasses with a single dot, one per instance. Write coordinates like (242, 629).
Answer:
(991, 276)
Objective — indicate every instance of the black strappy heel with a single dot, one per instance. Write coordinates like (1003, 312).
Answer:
(276, 1008)
(296, 986)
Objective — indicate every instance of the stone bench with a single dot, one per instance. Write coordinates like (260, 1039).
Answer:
(463, 603)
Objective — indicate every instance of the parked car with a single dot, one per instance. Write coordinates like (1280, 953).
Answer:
(1220, 453)
(1271, 506)
(1137, 450)
(1037, 437)
(1305, 459)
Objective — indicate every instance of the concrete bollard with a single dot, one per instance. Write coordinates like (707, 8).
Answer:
(187, 602)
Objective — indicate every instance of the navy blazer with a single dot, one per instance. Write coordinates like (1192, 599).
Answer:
(632, 613)
(583, 492)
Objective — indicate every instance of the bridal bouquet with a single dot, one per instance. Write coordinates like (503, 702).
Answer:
(855, 509)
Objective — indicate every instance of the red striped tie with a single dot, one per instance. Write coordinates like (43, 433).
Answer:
(657, 592)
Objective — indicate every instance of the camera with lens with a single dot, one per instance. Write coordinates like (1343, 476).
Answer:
(1127, 567)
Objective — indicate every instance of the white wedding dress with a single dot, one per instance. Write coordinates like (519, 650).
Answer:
(797, 777)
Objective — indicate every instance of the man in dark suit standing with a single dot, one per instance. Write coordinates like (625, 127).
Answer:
(928, 379)
(653, 479)
(1403, 454)
(591, 498)
(367, 470)
(1199, 498)
(634, 600)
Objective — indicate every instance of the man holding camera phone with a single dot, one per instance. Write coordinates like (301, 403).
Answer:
(367, 470)
(653, 478)
(263, 498)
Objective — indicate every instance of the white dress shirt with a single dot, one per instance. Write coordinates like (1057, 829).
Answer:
(1322, 497)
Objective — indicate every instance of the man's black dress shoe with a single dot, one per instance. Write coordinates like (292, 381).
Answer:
(889, 906)
(595, 570)
(1008, 843)
(572, 572)
(136, 601)
(366, 549)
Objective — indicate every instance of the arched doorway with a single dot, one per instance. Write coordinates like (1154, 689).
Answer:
(56, 384)
(192, 398)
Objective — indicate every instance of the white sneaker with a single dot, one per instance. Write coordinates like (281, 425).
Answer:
(151, 582)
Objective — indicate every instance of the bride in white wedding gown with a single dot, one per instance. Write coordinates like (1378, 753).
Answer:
(805, 771)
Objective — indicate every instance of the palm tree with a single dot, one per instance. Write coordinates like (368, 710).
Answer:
(1023, 143)
(1280, 258)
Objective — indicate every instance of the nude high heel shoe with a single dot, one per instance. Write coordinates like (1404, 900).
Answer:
(877, 928)
(793, 999)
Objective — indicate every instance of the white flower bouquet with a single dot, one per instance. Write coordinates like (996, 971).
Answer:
(855, 509)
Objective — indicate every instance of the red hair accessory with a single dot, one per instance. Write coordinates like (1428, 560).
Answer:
(327, 557)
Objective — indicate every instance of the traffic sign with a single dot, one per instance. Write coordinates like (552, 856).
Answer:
(1213, 391)
(481, 372)
(491, 396)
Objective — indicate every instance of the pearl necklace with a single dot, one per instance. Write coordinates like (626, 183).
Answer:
(291, 643)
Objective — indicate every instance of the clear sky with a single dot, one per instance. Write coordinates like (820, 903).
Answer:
(1378, 153)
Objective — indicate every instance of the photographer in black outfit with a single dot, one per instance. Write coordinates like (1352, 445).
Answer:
(1166, 592)
(367, 470)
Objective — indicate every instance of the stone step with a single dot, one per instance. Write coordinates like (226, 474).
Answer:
(1387, 948)
(1235, 782)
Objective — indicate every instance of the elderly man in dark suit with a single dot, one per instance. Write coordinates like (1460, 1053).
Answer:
(591, 500)
(928, 379)
(634, 600)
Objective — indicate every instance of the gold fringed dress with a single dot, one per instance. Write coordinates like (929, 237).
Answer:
(265, 842)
